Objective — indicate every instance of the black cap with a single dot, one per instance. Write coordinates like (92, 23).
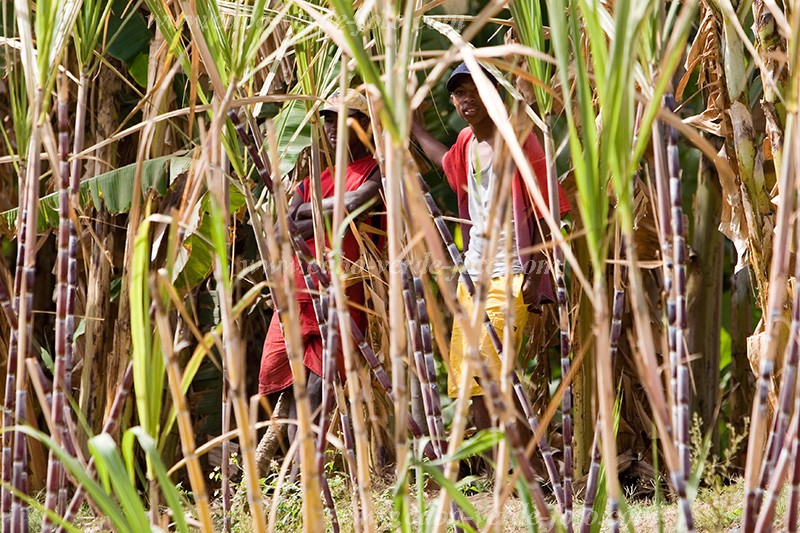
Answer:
(461, 71)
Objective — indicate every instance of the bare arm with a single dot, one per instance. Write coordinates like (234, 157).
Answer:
(366, 193)
(537, 271)
(430, 145)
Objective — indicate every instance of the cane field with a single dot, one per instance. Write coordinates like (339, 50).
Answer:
(148, 152)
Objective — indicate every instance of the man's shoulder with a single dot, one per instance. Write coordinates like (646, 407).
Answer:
(533, 148)
(464, 136)
(459, 149)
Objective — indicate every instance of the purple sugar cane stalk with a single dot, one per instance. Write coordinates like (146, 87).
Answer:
(594, 470)
(793, 510)
(780, 423)
(488, 383)
(563, 325)
(427, 352)
(673, 249)
(11, 308)
(430, 393)
(767, 515)
(788, 392)
(419, 329)
(784, 443)
(56, 482)
(7, 305)
(27, 235)
(592, 484)
(329, 377)
(109, 427)
(677, 319)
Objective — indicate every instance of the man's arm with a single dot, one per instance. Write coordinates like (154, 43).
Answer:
(366, 192)
(538, 269)
(301, 211)
(431, 147)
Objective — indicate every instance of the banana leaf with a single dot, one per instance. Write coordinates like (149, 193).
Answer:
(112, 190)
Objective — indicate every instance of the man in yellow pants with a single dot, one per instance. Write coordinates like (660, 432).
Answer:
(471, 170)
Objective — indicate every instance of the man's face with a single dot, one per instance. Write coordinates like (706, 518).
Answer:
(332, 132)
(468, 102)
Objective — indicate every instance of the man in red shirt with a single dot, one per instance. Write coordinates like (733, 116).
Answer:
(363, 185)
(473, 173)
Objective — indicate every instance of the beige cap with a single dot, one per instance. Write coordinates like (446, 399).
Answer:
(355, 101)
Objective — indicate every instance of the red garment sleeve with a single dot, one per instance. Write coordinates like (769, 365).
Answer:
(535, 153)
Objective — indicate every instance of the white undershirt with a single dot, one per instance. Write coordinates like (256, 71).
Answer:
(479, 188)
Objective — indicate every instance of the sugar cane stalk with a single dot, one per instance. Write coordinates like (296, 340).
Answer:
(773, 313)
(488, 383)
(329, 378)
(10, 388)
(563, 324)
(677, 316)
(187, 434)
(27, 229)
(109, 427)
(772, 494)
(56, 489)
(419, 329)
(777, 435)
(430, 393)
(794, 493)
(594, 470)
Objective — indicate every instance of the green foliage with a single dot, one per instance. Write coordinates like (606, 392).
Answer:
(115, 492)
(529, 24)
(111, 190)
(352, 35)
(583, 144)
(89, 28)
(146, 355)
(195, 259)
(127, 32)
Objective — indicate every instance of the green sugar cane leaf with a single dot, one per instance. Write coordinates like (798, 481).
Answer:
(528, 507)
(479, 443)
(138, 69)
(528, 22)
(600, 500)
(166, 485)
(456, 495)
(215, 39)
(105, 452)
(148, 363)
(99, 493)
(400, 499)
(669, 63)
(195, 260)
(90, 27)
(590, 178)
(294, 134)
(366, 66)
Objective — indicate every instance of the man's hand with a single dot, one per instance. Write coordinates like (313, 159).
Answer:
(530, 292)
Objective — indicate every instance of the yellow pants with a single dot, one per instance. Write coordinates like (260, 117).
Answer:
(496, 309)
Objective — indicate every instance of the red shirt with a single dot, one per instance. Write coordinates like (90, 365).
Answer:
(456, 169)
(358, 172)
